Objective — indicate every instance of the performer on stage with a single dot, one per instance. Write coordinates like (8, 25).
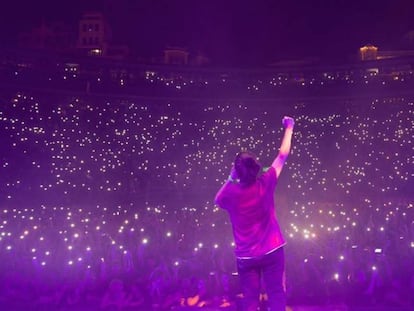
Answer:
(249, 201)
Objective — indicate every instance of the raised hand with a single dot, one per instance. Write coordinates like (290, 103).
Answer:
(288, 122)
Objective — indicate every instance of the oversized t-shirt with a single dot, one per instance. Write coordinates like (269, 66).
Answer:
(252, 213)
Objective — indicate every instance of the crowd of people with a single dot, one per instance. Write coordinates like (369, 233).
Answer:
(107, 201)
(39, 70)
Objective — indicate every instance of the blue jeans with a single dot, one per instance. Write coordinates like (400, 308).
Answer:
(270, 267)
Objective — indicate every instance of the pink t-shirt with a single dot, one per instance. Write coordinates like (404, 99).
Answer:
(252, 214)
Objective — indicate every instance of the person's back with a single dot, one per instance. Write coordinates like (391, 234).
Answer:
(252, 212)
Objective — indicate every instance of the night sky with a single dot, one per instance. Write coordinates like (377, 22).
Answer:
(243, 32)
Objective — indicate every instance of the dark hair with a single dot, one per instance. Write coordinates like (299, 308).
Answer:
(247, 167)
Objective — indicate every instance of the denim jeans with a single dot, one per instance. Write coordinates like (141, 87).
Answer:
(270, 267)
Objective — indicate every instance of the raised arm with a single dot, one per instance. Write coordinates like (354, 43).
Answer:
(279, 161)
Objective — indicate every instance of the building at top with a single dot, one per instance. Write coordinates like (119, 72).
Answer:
(370, 52)
(94, 37)
(55, 36)
(94, 33)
